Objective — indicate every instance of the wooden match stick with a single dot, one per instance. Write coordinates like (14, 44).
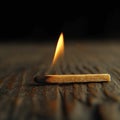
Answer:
(77, 78)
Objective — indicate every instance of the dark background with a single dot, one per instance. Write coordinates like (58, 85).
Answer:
(46, 21)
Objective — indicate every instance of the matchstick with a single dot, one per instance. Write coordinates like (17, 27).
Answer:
(71, 78)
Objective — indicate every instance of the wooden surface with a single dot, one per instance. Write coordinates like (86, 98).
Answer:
(22, 99)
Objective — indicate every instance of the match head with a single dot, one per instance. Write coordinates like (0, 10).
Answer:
(40, 79)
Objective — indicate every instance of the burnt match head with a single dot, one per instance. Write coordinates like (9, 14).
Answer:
(40, 79)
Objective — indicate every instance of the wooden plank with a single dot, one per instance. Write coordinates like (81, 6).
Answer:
(22, 98)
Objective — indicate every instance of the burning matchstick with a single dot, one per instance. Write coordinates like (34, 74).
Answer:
(69, 78)
(73, 78)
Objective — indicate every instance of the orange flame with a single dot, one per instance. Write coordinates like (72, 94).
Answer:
(59, 48)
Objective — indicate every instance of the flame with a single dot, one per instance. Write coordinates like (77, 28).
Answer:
(59, 48)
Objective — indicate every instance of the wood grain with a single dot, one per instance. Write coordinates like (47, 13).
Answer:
(21, 98)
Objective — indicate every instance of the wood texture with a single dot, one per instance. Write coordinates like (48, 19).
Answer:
(21, 98)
